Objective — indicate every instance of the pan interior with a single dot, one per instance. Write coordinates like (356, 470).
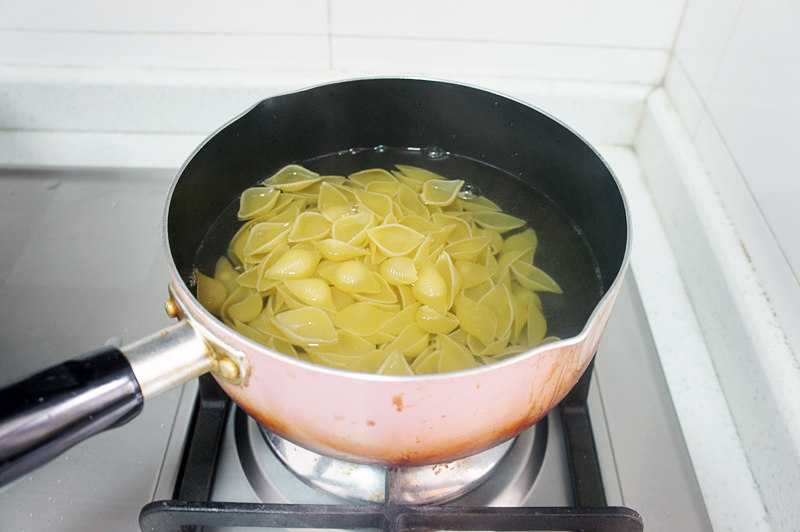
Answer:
(563, 250)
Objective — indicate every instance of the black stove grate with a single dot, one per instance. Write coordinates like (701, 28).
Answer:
(191, 510)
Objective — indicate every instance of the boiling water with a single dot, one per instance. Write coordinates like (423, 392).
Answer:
(562, 250)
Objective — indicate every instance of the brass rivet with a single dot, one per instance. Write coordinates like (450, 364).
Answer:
(172, 308)
(228, 369)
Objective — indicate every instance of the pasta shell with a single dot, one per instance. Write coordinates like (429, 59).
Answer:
(476, 319)
(341, 299)
(383, 187)
(246, 309)
(338, 251)
(352, 229)
(294, 264)
(353, 276)
(372, 175)
(235, 252)
(309, 226)
(331, 360)
(440, 191)
(312, 292)
(306, 326)
(476, 292)
(263, 284)
(369, 363)
(329, 198)
(399, 270)
(468, 249)
(460, 232)
(496, 347)
(413, 176)
(472, 273)
(495, 240)
(265, 237)
(509, 351)
(454, 356)
(395, 364)
(418, 223)
(452, 279)
(361, 318)
(520, 316)
(433, 322)
(497, 220)
(536, 326)
(526, 239)
(395, 239)
(249, 278)
(289, 299)
(292, 178)
(240, 294)
(286, 216)
(498, 300)
(431, 289)
(257, 201)
(379, 204)
(251, 332)
(532, 277)
(346, 343)
(225, 273)
(340, 211)
(385, 296)
(443, 235)
(426, 363)
(211, 293)
(406, 295)
(410, 202)
(410, 342)
(424, 251)
(478, 203)
(401, 320)
(507, 258)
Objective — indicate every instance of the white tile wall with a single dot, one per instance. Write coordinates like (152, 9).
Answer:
(613, 40)
(297, 17)
(614, 23)
(734, 79)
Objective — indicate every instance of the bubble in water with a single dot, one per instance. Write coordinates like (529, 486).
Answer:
(469, 191)
(434, 152)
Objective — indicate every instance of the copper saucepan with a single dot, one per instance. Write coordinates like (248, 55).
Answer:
(363, 418)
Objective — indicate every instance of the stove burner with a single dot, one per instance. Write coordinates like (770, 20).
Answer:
(366, 483)
(277, 467)
(499, 503)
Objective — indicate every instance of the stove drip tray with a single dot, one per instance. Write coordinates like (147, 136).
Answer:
(280, 470)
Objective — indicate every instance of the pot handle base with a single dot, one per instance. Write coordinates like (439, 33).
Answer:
(47, 413)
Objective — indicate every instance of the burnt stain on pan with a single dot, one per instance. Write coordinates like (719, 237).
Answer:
(397, 401)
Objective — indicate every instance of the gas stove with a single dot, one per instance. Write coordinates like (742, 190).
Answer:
(82, 266)
(571, 471)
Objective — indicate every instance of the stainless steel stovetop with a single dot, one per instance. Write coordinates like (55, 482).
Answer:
(82, 265)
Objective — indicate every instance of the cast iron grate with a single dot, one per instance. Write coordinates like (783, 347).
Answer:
(191, 510)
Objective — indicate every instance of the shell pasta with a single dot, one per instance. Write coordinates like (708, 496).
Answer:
(396, 272)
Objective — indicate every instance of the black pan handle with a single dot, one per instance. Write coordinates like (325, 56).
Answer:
(47, 413)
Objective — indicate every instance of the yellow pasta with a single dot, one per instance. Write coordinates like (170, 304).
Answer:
(393, 272)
